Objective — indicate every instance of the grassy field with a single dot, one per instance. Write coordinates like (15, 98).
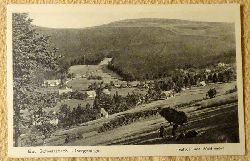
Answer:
(214, 123)
(95, 70)
(81, 84)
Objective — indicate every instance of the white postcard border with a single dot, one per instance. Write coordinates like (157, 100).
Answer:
(126, 150)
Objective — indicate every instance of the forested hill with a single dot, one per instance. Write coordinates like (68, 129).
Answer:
(151, 46)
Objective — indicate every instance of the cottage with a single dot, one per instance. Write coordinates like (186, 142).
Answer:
(104, 113)
(91, 94)
(37, 122)
(117, 85)
(54, 121)
(134, 84)
(106, 91)
(84, 76)
(221, 64)
(51, 83)
(202, 83)
(65, 91)
(208, 70)
(167, 94)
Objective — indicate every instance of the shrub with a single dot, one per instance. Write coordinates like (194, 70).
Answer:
(94, 77)
(211, 93)
(219, 101)
(78, 95)
(126, 119)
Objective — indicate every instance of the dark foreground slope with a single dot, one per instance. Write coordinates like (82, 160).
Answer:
(147, 46)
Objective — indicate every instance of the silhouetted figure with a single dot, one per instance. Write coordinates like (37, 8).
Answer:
(67, 139)
(162, 131)
(175, 126)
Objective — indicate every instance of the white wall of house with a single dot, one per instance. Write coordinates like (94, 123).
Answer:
(51, 83)
(66, 90)
(104, 113)
(106, 91)
(91, 94)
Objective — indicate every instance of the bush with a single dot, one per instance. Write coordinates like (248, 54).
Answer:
(78, 95)
(219, 101)
(126, 119)
(77, 116)
(211, 93)
(94, 77)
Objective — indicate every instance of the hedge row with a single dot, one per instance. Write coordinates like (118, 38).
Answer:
(126, 119)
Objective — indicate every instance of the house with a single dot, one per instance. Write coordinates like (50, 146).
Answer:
(117, 85)
(84, 76)
(183, 89)
(106, 91)
(134, 84)
(80, 76)
(51, 83)
(208, 70)
(168, 94)
(65, 90)
(124, 85)
(54, 121)
(40, 121)
(37, 121)
(91, 94)
(202, 83)
(104, 113)
(221, 64)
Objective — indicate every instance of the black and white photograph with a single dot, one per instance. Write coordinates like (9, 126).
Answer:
(124, 80)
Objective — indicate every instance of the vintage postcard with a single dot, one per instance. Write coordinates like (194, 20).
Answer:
(124, 80)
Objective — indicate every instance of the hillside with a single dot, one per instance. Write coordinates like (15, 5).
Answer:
(214, 124)
(147, 48)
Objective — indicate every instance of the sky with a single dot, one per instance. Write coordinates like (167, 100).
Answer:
(81, 16)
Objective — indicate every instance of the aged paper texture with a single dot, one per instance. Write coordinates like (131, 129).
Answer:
(167, 124)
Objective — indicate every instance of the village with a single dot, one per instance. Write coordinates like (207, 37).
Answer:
(88, 84)
(93, 78)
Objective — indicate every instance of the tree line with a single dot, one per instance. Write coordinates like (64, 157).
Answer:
(186, 76)
(78, 115)
(73, 95)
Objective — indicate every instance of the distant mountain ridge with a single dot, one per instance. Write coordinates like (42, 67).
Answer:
(139, 43)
